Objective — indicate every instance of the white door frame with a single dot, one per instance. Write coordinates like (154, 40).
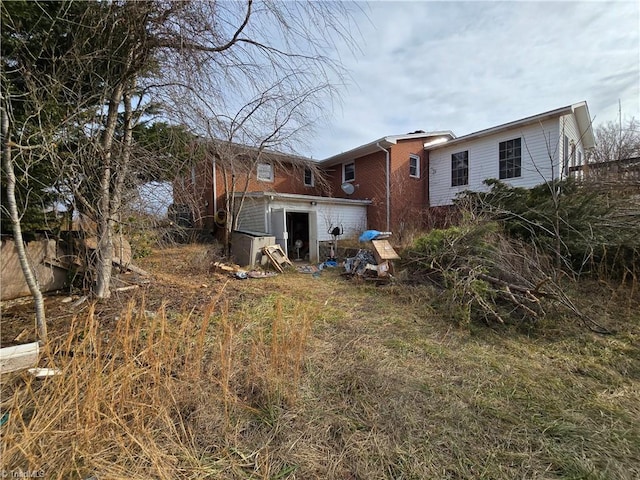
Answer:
(279, 227)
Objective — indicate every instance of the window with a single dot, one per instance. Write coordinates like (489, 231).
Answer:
(510, 159)
(460, 168)
(308, 178)
(414, 166)
(348, 172)
(265, 172)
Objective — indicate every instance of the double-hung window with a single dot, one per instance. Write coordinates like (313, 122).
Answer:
(264, 172)
(348, 172)
(414, 166)
(510, 154)
(460, 168)
(308, 178)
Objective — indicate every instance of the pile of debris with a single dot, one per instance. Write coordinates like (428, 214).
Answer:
(239, 273)
(372, 265)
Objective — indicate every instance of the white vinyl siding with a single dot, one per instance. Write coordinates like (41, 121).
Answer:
(353, 218)
(539, 143)
(258, 214)
(255, 215)
(569, 127)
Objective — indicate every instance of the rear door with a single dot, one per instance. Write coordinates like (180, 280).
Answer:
(279, 227)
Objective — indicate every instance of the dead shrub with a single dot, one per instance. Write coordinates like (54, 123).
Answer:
(485, 275)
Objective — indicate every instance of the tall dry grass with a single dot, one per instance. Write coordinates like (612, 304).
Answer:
(159, 396)
(299, 377)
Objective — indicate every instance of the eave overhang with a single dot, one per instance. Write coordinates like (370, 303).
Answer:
(582, 117)
(294, 197)
(374, 147)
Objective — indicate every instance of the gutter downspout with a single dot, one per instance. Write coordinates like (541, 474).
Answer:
(388, 185)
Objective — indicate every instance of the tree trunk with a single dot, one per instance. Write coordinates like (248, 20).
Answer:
(32, 281)
(104, 262)
(122, 170)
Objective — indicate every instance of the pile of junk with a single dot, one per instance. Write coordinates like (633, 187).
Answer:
(373, 264)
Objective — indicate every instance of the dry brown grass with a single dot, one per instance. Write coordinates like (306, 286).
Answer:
(157, 396)
(316, 378)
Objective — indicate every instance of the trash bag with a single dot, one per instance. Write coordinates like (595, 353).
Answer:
(369, 235)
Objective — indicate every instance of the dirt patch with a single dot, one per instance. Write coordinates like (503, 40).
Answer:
(181, 278)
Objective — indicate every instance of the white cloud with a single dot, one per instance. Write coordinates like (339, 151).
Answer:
(466, 66)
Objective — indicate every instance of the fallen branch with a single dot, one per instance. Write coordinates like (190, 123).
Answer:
(560, 296)
(126, 289)
(515, 288)
(519, 303)
(130, 267)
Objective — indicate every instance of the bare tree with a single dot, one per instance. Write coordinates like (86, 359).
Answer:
(32, 281)
(35, 93)
(258, 103)
(257, 135)
(616, 141)
(614, 163)
(121, 55)
(274, 51)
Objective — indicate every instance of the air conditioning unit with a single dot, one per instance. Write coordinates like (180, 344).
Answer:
(246, 247)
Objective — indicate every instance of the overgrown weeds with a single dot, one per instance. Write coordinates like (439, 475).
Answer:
(302, 377)
(588, 228)
(517, 254)
(486, 275)
(156, 396)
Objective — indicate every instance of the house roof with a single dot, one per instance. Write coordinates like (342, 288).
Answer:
(267, 154)
(580, 110)
(384, 142)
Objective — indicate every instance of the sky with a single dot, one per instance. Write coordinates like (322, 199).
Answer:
(467, 66)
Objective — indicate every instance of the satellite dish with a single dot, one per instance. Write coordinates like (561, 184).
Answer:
(348, 188)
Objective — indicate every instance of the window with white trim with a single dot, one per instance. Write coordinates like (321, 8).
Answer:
(264, 172)
(414, 166)
(348, 172)
(460, 168)
(309, 180)
(510, 155)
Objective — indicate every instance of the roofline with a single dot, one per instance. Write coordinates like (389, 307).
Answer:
(267, 152)
(305, 198)
(585, 124)
(585, 130)
(384, 142)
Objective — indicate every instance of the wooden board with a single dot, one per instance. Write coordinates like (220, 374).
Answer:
(383, 250)
(277, 257)
(19, 357)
